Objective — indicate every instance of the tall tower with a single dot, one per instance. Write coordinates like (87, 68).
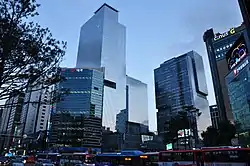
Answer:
(218, 45)
(180, 83)
(102, 44)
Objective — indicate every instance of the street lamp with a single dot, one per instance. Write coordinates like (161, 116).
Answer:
(192, 113)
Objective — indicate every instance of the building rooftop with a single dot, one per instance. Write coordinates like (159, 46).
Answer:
(106, 6)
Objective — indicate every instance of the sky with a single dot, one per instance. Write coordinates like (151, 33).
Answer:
(156, 31)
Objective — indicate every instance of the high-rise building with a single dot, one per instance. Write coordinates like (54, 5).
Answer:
(137, 101)
(11, 120)
(180, 83)
(136, 105)
(214, 113)
(217, 45)
(76, 120)
(238, 83)
(245, 10)
(36, 111)
(103, 44)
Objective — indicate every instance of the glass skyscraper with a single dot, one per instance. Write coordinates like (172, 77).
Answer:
(238, 82)
(218, 45)
(77, 117)
(181, 82)
(102, 44)
(137, 101)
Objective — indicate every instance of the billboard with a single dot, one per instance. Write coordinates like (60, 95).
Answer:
(236, 53)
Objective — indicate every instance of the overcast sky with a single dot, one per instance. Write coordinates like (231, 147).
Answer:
(156, 31)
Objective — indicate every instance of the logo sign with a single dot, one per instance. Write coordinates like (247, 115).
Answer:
(225, 34)
(236, 53)
(242, 66)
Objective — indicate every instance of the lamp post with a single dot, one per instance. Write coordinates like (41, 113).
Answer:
(192, 113)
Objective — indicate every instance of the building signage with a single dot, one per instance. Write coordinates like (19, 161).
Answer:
(225, 34)
(242, 66)
(236, 53)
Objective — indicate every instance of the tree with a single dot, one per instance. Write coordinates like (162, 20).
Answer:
(210, 136)
(221, 136)
(29, 55)
(227, 131)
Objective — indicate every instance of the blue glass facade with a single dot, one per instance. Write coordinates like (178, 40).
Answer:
(181, 82)
(238, 89)
(77, 118)
(102, 44)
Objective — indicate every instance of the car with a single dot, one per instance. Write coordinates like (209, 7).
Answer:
(17, 162)
(44, 163)
(4, 161)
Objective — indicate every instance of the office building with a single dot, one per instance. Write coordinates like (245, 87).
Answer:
(77, 118)
(121, 120)
(214, 113)
(238, 83)
(103, 44)
(10, 120)
(245, 10)
(36, 111)
(217, 45)
(180, 83)
(137, 102)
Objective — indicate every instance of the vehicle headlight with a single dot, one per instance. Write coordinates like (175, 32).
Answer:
(24, 161)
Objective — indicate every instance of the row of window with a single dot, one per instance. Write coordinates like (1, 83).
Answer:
(224, 47)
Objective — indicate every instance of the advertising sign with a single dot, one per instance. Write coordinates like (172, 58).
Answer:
(225, 34)
(242, 66)
(236, 53)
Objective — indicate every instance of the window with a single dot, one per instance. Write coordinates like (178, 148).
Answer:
(95, 88)
(110, 84)
(41, 124)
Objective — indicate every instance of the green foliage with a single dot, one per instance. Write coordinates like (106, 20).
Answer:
(210, 137)
(221, 136)
(29, 55)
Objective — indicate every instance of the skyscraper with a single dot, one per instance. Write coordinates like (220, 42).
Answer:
(11, 120)
(136, 105)
(238, 83)
(102, 44)
(217, 46)
(35, 111)
(77, 118)
(180, 82)
(137, 101)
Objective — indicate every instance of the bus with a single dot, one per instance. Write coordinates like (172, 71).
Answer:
(150, 159)
(226, 156)
(180, 158)
(132, 158)
(72, 158)
(53, 157)
(206, 157)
